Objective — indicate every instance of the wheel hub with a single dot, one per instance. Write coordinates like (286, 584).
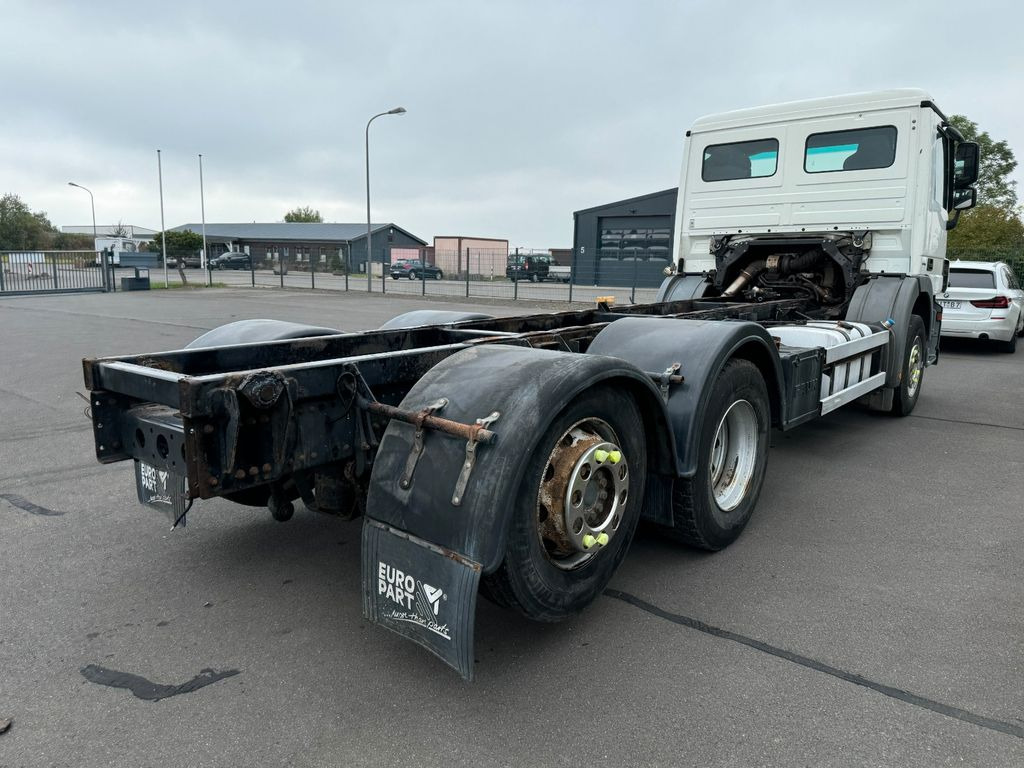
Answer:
(915, 368)
(733, 455)
(583, 494)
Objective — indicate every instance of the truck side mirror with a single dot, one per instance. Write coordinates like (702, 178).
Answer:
(966, 165)
(965, 199)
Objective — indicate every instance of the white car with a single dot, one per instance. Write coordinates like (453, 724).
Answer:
(983, 300)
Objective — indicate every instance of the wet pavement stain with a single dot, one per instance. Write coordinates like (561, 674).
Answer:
(24, 504)
(147, 690)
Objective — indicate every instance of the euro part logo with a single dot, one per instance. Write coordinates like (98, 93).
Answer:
(411, 600)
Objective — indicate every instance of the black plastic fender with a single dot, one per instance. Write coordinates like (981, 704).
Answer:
(249, 331)
(527, 388)
(702, 348)
(418, 317)
(897, 297)
(682, 287)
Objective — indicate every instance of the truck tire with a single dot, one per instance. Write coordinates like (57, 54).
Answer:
(584, 481)
(711, 509)
(912, 372)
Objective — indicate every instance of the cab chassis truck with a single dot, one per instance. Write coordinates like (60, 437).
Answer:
(516, 456)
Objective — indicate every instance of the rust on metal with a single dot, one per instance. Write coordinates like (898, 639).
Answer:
(475, 432)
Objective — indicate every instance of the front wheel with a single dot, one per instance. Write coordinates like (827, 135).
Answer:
(711, 509)
(438, 275)
(533, 278)
(912, 370)
(576, 508)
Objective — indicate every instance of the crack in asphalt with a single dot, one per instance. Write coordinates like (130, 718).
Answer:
(964, 421)
(819, 666)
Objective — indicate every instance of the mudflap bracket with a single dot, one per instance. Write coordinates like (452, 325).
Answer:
(422, 592)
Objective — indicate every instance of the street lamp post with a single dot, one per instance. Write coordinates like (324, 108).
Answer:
(369, 236)
(92, 205)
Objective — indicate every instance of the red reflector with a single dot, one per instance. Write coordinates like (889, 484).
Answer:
(996, 302)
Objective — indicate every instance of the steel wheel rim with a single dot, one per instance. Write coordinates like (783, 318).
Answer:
(915, 368)
(733, 459)
(582, 496)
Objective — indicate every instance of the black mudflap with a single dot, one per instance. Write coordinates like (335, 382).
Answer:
(422, 592)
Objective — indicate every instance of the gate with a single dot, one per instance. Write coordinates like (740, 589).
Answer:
(23, 272)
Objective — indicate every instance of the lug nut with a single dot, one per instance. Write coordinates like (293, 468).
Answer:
(601, 455)
(589, 541)
(602, 539)
(615, 457)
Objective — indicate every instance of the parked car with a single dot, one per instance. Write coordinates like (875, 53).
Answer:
(983, 300)
(528, 267)
(414, 269)
(231, 260)
(190, 261)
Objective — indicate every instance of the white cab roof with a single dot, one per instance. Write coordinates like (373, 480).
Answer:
(795, 110)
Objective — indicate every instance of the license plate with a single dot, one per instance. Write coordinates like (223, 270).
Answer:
(950, 304)
(161, 490)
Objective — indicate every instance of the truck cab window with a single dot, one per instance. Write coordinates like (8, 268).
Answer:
(855, 150)
(741, 160)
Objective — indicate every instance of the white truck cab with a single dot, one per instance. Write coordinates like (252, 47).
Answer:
(875, 174)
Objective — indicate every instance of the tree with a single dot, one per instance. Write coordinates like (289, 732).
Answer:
(304, 213)
(995, 187)
(119, 230)
(179, 245)
(987, 233)
(20, 228)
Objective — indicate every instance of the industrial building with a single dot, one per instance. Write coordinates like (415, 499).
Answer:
(303, 242)
(625, 243)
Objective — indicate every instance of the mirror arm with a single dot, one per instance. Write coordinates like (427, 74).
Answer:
(951, 223)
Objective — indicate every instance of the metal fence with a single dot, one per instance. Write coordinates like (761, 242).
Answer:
(1014, 257)
(470, 274)
(53, 271)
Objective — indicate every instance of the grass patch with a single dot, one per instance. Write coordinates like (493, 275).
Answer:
(159, 286)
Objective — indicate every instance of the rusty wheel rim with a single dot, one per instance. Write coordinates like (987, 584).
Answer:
(583, 493)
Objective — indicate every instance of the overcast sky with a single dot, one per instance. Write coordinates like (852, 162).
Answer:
(519, 113)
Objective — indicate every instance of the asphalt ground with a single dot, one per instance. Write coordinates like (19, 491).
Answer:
(497, 288)
(872, 614)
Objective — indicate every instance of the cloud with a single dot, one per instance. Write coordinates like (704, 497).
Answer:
(519, 112)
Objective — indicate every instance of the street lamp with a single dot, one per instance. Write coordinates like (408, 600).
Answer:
(92, 203)
(369, 237)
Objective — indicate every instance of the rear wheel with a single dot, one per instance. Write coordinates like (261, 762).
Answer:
(1009, 346)
(711, 509)
(438, 275)
(912, 372)
(576, 509)
(413, 276)
(533, 278)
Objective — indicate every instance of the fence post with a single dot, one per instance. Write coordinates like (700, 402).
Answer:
(3, 267)
(312, 271)
(252, 270)
(56, 287)
(383, 277)
(515, 286)
(281, 265)
(423, 272)
(467, 271)
(632, 292)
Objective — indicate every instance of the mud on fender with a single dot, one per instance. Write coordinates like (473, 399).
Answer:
(422, 592)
